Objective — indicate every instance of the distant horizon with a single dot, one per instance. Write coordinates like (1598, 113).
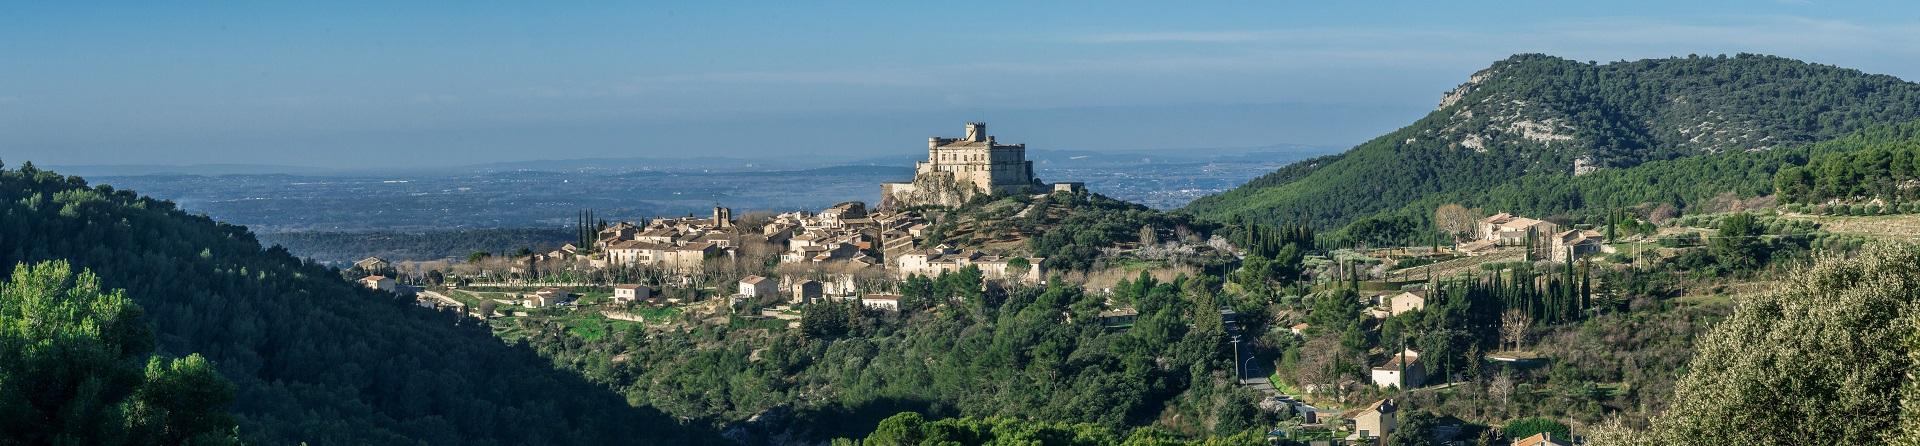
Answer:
(215, 169)
(344, 85)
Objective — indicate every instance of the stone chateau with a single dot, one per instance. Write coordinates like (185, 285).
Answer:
(957, 169)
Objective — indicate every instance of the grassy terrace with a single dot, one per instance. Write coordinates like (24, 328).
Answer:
(582, 319)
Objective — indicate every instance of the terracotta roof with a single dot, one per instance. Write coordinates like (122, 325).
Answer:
(1382, 406)
(1394, 362)
(627, 287)
(374, 277)
(1539, 439)
(753, 280)
(1520, 223)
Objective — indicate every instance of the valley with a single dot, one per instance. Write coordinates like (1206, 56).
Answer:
(1686, 250)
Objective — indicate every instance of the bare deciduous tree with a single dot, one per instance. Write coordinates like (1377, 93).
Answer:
(1513, 328)
(1455, 220)
(1501, 388)
(1662, 213)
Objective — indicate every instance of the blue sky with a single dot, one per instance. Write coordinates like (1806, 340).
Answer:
(346, 84)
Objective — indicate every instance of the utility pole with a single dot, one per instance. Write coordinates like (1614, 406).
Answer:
(1236, 359)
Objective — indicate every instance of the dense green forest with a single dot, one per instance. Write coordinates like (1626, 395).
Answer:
(1535, 116)
(1884, 169)
(956, 349)
(311, 358)
(1875, 162)
(76, 367)
(341, 247)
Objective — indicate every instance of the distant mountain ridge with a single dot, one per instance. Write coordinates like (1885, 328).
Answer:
(1538, 114)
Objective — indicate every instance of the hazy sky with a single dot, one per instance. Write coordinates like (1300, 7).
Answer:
(350, 84)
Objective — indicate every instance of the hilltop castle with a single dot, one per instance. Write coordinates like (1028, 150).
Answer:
(957, 169)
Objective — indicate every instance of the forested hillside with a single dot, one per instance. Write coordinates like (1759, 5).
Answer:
(312, 358)
(1030, 353)
(1544, 117)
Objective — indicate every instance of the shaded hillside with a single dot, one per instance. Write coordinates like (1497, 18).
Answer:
(1536, 114)
(342, 247)
(313, 359)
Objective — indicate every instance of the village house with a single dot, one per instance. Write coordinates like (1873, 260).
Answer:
(1402, 370)
(1407, 301)
(1299, 329)
(634, 252)
(837, 215)
(631, 293)
(1372, 425)
(1573, 244)
(1119, 317)
(882, 302)
(689, 257)
(941, 260)
(663, 236)
(1508, 230)
(808, 291)
(546, 297)
(372, 264)
(382, 283)
(1541, 439)
(756, 286)
(620, 231)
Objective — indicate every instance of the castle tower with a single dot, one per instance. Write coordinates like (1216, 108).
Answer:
(975, 162)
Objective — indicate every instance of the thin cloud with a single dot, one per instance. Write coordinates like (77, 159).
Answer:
(1627, 34)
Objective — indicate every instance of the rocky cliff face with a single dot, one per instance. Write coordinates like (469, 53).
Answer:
(933, 189)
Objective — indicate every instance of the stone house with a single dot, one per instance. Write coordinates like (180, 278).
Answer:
(1574, 243)
(372, 264)
(808, 291)
(1402, 370)
(1119, 317)
(756, 286)
(550, 296)
(1508, 230)
(378, 282)
(882, 302)
(1406, 301)
(1541, 439)
(1372, 425)
(631, 293)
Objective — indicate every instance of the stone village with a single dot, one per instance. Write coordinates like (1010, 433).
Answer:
(654, 271)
